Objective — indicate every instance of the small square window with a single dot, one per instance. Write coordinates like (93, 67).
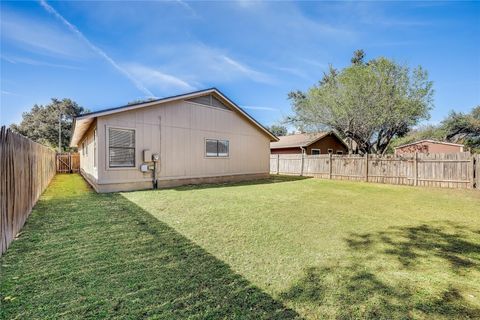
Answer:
(216, 148)
(315, 152)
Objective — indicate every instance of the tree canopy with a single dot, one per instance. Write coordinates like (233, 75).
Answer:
(278, 130)
(463, 127)
(136, 101)
(41, 123)
(458, 127)
(369, 102)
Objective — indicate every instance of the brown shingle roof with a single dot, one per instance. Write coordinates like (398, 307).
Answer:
(297, 140)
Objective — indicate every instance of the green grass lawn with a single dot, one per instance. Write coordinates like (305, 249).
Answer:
(281, 248)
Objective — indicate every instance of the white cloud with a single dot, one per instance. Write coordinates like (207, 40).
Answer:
(254, 75)
(97, 50)
(372, 14)
(40, 37)
(33, 62)
(316, 63)
(288, 20)
(293, 71)
(260, 108)
(4, 92)
(156, 78)
(200, 63)
(188, 7)
(249, 3)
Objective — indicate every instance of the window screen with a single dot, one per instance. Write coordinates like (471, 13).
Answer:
(121, 147)
(216, 148)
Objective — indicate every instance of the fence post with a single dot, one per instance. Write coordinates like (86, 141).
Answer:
(366, 167)
(330, 167)
(472, 165)
(278, 164)
(415, 169)
(301, 168)
(475, 171)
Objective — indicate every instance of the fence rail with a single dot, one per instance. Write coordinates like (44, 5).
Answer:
(26, 169)
(459, 170)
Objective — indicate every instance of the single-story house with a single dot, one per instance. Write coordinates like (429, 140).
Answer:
(198, 137)
(309, 143)
(429, 146)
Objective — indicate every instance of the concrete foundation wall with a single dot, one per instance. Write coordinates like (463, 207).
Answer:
(169, 183)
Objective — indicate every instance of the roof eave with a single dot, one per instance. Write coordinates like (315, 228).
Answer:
(285, 147)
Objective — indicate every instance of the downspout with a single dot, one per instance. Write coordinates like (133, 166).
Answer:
(154, 178)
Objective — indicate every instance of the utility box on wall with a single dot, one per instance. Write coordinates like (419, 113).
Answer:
(147, 156)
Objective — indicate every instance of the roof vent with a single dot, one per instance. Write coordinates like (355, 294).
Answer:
(209, 100)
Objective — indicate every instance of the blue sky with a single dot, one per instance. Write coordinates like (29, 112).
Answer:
(105, 54)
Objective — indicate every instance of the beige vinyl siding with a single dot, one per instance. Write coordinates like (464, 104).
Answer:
(87, 156)
(177, 130)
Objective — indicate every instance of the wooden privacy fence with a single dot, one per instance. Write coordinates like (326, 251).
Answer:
(459, 170)
(68, 162)
(26, 169)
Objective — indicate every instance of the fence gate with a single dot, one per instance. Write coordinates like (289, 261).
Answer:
(68, 162)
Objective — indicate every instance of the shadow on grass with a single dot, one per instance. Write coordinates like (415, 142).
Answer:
(272, 179)
(357, 293)
(358, 288)
(410, 244)
(96, 256)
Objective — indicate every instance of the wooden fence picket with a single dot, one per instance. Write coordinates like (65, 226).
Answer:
(458, 170)
(26, 169)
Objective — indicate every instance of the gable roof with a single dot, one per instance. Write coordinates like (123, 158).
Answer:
(83, 122)
(430, 141)
(301, 140)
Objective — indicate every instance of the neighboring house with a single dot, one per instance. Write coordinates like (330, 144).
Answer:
(309, 143)
(199, 137)
(429, 146)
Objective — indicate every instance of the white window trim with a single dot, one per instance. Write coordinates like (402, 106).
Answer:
(330, 151)
(311, 152)
(107, 148)
(215, 157)
(340, 152)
